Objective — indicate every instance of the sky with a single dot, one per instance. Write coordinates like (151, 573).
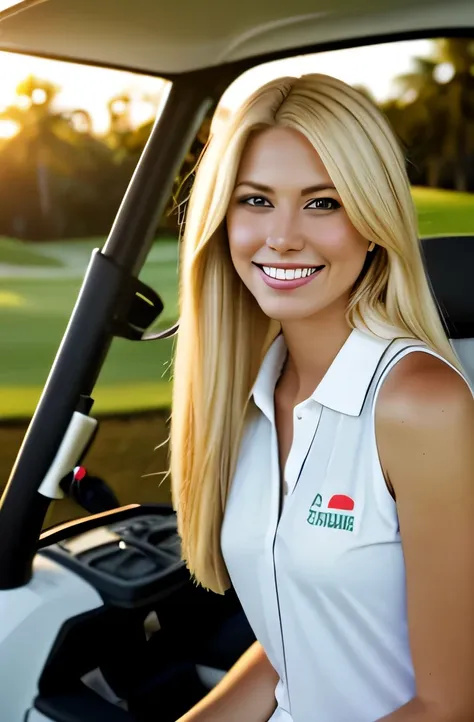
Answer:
(89, 88)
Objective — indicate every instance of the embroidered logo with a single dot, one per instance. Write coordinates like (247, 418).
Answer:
(338, 518)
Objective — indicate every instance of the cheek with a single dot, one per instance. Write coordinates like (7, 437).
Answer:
(244, 234)
(339, 241)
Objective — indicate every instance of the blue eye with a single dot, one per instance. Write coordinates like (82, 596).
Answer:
(323, 204)
(256, 202)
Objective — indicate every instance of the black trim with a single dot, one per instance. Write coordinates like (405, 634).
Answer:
(79, 706)
(133, 231)
(376, 370)
(141, 308)
(308, 451)
(281, 508)
(235, 68)
(18, 550)
(79, 359)
(64, 665)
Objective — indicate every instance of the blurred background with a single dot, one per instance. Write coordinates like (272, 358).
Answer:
(70, 138)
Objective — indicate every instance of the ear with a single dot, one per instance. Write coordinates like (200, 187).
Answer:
(371, 247)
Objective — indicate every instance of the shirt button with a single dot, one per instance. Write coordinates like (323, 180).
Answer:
(299, 417)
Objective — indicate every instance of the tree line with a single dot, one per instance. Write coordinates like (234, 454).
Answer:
(60, 180)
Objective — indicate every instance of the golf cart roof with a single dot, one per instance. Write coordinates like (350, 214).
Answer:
(166, 38)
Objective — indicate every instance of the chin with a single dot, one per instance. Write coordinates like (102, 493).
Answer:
(285, 311)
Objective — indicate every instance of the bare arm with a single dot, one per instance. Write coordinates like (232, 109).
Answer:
(247, 692)
(425, 433)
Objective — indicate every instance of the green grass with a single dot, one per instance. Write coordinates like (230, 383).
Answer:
(15, 253)
(135, 376)
(18, 402)
(34, 312)
(444, 212)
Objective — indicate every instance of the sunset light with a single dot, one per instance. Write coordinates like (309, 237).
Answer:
(7, 4)
(4, 5)
(90, 88)
(80, 87)
(8, 128)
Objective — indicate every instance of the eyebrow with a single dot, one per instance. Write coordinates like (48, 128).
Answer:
(305, 192)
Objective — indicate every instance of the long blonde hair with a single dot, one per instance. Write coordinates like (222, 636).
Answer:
(224, 334)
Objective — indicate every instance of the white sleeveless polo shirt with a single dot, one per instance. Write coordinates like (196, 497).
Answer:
(323, 585)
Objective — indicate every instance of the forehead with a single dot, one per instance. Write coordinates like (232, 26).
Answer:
(281, 153)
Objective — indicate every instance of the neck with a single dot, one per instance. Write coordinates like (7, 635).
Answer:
(313, 343)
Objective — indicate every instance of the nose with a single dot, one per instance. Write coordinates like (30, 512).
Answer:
(286, 243)
(285, 235)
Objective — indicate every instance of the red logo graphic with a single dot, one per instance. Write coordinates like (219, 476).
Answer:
(341, 502)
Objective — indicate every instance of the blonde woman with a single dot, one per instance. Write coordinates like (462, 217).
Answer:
(322, 434)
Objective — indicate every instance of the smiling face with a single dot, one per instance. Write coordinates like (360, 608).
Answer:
(290, 239)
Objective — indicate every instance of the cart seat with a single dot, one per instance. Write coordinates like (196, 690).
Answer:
(450, 265)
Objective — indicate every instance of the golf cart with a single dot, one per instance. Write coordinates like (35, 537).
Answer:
(96, 614)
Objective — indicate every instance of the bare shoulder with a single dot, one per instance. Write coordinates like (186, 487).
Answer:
(424, 421)
(425, 428)
(423, 389)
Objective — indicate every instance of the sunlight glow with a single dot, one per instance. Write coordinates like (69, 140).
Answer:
(9, 299)
(119, 107)
(23, 102)
(444, 73)
(81, 86)
(38, 96)
(142, 112)
(8, 128)
(7, 4)
(89, 89)
(372, 66)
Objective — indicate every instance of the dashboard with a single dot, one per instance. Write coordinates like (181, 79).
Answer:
(132, 557)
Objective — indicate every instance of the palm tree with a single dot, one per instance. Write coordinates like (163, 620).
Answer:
(458, 54)
(416, 115)
(435, 117)
(48, 165)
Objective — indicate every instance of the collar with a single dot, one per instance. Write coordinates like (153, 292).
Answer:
(272, 365)
(344, 385)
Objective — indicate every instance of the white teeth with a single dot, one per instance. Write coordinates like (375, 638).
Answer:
(288, 274)
(272, 272)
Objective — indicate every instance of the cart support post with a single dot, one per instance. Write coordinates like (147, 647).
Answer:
(89, 334)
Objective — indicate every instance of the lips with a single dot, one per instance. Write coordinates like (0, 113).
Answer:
(289, 277)
(289, 274)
